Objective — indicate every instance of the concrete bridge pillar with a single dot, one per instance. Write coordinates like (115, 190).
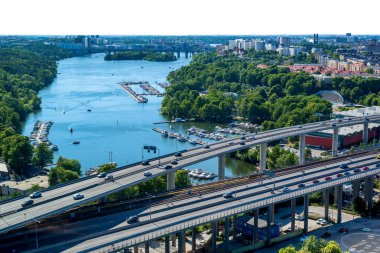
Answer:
(302, 150)
(221, 164)
(263, 157)
(186, 55)
(234, 233)
(181, 242)
(146, 247)
(268, 239)
(365, 132)
(338, 192)
(178, 55)
(335, 141)
(293, 214)
(136, 249)
(194, 239)
(170, 181)
(272, 218)
(174, 240)
(326, 193)
(256, 226)
(355, 189)
(227, 234)
(167, 244)
(306, 214)
(368, 193)
(214, 234)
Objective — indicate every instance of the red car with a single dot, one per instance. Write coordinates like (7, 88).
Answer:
(339, 175)
(316, 181)
(328, 178)
(365, 168)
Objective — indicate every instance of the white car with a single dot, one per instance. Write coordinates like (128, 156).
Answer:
(78, 196)
(320, 220)
(324, 222)
(366, 230)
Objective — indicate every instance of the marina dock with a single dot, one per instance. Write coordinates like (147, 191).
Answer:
(40, 134)
(150, 89)
(134, 95)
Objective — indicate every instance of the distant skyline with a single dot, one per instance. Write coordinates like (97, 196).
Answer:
(196, 17)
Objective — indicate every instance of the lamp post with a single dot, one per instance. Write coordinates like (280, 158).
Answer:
(159, 160)
(37, 222)
(150, 204)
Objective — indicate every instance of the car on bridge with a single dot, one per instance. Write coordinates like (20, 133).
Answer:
(347, 173)
(168, 167)
(316, 181)
(365, 168)
(357, 170)
(242, 143)
(328, 178)
(231, 143)
(301, 185)
(27, 202)
(35, 195)
(133, 219)
(174, 162)
(339, 175)
(228, 195)
(285, 189)
(146, 162)
(78, 196)
(102, 174)
(343, 165)
(207, 147)
(109, 177)
(147, 173)
(178, 154)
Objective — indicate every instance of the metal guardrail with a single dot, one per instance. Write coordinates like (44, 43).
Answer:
(242, 208)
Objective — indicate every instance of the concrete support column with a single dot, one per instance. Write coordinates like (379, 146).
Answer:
(269, 224)
(181, 241)
(136, 249)
(293, 214)
(174, 240)
(306, 214)
(193, 239)
(167, 244)
(221, 163)
(326, 194)
(234, 233)
(227, 234)
(256, 226)
(146, 247)
(338, 192)
(365, 132)
(355, 189)
(272, 217)
(335, 141)
(263, 157)
(302, 150)
(368, 193)
(213, 236)
(170, 181)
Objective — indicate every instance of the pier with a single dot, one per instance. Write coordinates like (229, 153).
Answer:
(134, 95)
(150, 89)
(164, 85)
(40, 134)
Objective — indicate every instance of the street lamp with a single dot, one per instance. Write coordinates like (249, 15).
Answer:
(37, 222)
(150, 204)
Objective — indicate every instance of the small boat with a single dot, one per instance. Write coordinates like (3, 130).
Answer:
(164, 134)
(142, 67)
(89, 110)
(70, 129)
(181, 139)
(54, 147)
(203, 175)
(75, 142)
(171, 127)
(210, 176)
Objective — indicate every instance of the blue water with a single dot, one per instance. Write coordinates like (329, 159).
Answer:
(116, 123)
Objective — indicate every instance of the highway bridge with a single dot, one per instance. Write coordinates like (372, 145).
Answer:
(191, 211)
(57, 199)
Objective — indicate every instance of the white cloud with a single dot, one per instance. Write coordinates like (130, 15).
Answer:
(189, 17)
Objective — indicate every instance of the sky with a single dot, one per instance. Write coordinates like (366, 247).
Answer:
(188, 17)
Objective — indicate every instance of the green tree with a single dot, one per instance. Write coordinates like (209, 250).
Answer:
(313, 244)
(42, 155)
(17, 152)
(288, 249)
(69, 164)
(107, 167)
(332, 247)
(182, 179)
(53, 177)
(359, 205)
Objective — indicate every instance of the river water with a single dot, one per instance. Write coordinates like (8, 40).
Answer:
(109, 124)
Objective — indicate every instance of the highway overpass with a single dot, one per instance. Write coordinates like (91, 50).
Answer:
(168, 219)
(58, 199)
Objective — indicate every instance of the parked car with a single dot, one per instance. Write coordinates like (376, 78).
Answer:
(301, 185)
(326, 234)
(147, 173)
(174, 162)
(78, 196)
(27, 202)
(366, 230)
(357, 170)
(339, 175)
(228, 195)
(133, 219)
(365, 168)
(343, 230)
(316, 181)
(178, 154)
(324, 222)
(328, 178)
(319, 220)
(146, 162)
(35, 195)
(285, 189)
(102, 174)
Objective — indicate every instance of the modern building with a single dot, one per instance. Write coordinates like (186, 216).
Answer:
(284, 42)
(259, 45)
(4, 174)
(245, 226)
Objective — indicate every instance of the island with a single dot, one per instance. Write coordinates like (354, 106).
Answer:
(137, 55)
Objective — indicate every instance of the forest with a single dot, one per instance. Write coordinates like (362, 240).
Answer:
(136, 55)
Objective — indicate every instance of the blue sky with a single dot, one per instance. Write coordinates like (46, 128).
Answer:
(179, 17)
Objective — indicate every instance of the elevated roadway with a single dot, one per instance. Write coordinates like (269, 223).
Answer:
(59, 199)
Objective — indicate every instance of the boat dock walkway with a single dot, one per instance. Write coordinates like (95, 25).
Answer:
(179, 137)
(151, 90)
(40, 134)
(134, 95)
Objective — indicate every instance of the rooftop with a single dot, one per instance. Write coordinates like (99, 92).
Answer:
(361, 111)
(351, 129)
(3, 168)
(42, 181)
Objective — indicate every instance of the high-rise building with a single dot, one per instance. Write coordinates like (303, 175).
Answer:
(284, 42)
(259, 45)
(315, 38)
